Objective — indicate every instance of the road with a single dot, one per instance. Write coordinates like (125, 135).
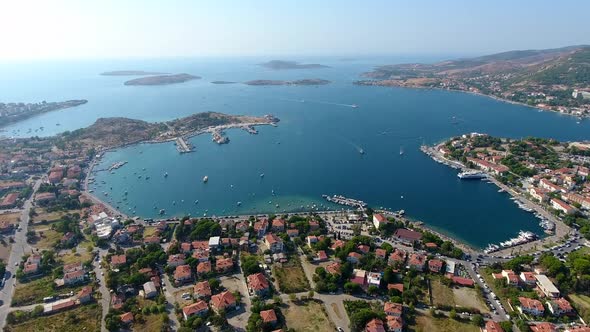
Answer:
(240, 320)
(104, 291)
(174, 323)
(19, 248)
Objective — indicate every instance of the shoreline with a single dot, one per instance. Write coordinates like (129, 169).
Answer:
(583, 116)
(561, 229)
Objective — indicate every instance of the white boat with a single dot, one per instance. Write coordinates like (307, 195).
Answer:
(471, 175)
(205, 179)
(354, 106)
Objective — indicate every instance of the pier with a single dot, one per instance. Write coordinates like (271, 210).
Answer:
(182, 146)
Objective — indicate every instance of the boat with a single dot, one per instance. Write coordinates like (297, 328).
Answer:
(361, 151)
(205, 179)
(354, 106)
(471, 175)
(162, 211)
(262, 175)
(239, 203)
(401, 151)
(166, 174)
(501, 190)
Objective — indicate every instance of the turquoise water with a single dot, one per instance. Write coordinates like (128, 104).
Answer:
(313, 151)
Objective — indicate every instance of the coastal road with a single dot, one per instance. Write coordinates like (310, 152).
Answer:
(19, 248)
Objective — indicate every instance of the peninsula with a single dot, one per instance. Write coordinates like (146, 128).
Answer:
(306, 81)
(131, 73)
(15, 112)
(109, 133)
(162, 79)
(280, 65)
(553, 79)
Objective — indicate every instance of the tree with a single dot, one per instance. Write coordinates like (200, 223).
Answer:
(453, 314)
(477, 320)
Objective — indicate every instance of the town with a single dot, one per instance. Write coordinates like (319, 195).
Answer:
(70, 260)
(14, 112)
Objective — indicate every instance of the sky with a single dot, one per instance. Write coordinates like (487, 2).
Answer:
(56, 29)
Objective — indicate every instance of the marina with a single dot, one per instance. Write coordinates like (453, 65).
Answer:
(339, 199)
(182, 146)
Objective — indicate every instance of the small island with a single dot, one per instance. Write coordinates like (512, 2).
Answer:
(163, 79)
(130, 73)
(15, 112)
(223, 82)
(280, 65)
(306, 81)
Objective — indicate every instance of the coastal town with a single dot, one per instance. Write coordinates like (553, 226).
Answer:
(14, 112)
(71, 259)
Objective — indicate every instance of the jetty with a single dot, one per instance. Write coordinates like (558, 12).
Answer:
(219, 138)
(339, 199)
(116, 165)
(250, 130)
(183, 146)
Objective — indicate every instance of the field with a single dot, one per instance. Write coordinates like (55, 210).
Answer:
(43, 215)
(35, 290)
(151, 323)
(309, 316)
(149, 231)
(290, 277)
(10, 217)
(85, 318)
(46, 237)
(427, 323)
(81, 254)
(462, 296)
(582, 303)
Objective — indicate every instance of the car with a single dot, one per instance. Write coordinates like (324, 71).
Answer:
(102, 273)
(15, 263)
(339, 329)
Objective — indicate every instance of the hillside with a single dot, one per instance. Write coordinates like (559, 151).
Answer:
(542, 78)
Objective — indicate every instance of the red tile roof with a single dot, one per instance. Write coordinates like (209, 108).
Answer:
(375, 325)
(268, 316)
(257, 281)
(127, 318)
(204, 267)
(202, 288)
(118, 259)
(223, 300)
(195, 308)
(407, 234)
(399, 287)
(492, 326)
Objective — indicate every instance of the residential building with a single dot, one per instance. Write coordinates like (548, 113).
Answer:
(379, 220)
(118, 260)
(492, 326)
(562, 206)
(393, 309)
(223, 301)
(354, 257)
(435, 265)
(530, 306)
(199, 308)
(417, 261)
(150, 290)
(375, 325)
(546, 286)
(223, 265)
(269, 317)
(407, 236)
(258, 285)
(202, 290)
(278, 225)
(560, 307)
(182, 274)
(176, 260)
(273, 242)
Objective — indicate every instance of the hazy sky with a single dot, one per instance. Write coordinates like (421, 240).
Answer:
(148, 28)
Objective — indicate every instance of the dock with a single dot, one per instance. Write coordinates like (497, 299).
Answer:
(182, 146)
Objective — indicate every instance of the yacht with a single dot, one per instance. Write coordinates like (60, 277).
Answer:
(205, 179)
(354, 106)
(471, 175)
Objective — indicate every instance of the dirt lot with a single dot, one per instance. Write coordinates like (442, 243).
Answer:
(178, 295)
(291, 277)
(83, 318)
(426, 323)
(309, 316)
(12, 218)
(46, 237)
(43, 215)
(456, 296)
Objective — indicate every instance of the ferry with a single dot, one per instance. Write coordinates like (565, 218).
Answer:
(471, 175)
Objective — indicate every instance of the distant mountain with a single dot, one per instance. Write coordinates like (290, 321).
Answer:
(280, 65)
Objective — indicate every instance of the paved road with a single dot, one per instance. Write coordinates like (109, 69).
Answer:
(104, 291)
(19, 247)
(240, 320)
(174, 323)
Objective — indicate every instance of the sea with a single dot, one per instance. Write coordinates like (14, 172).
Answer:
(314, 150)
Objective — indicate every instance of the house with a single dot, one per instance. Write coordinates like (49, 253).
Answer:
(528, 278)
(407, 236)
(488, 166)
(75, 277)
(126, 318)
(314, 225)
(214, 242)
(379, 220)
(199, 308)
(242, 226)
(321, 256)
(546, 286)
(182, 274)
(293, 233)
(551, 187)
(492, 326)
(375, 325)
(545, 327)
(417, 261)
(359, 277)
(354, 257)
(203, 268)
(337, 244)
(560, 306)
(363, 248)
(258, 285)
(311, 240)
(539, 194)
(44, 197)
(223, 301)
(374, 278)
(117, 301)
(202, 290)
(393, 309)
(397, 287)
(73, 267)
(562, 206)
(397, 256)
(9, 201)
(149, 290)
(224, 265)
(273, 242)
(466, 282)
(278, 225)
(395, 323)
(269, 317)
(31, 268)
(430, 246)
(333, 268)
(380, 253)
(176, 260)
(55, 176)
(201, 256)
(84, 295)
(200, 245)
(530, 306)
(511, 278)
(435, 265)
(118, 260)
(185, 247)
(260, 227)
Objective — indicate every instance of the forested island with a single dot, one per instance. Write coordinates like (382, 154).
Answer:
(306, 81)
(15, 112)
(162, 79)
(131, 73)
(280, 65)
